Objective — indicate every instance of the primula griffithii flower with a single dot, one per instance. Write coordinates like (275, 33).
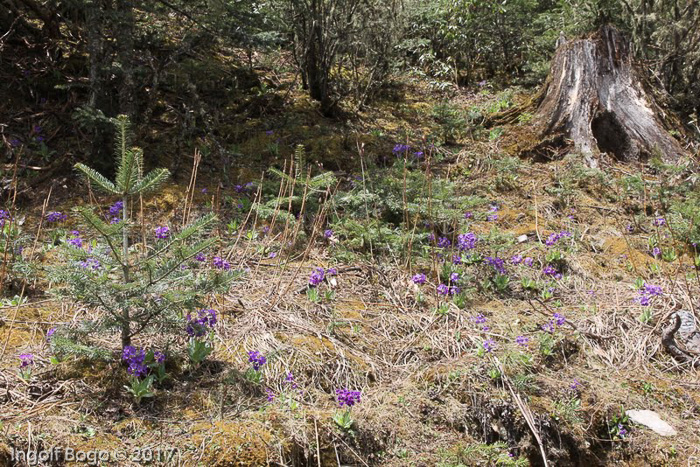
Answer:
(50, 333)
(75, 239)
(202, 323)
(555, 237)
(466, 241)
(257, 359)
(317, 277)
(479, 319)
(549, 271)
(55, 216)
(516, 259)
(270, 394)
(444, 242)
(26, 359)
(90, 264)
(220, 263)
(419, 279)
(497, 263)
(454, 277)
(442, 289)
(135, 360)
(328, 233)
(522, 340)
(559, 319)
(401, 149)
(200, 257)
(659, 221)
(162, 232)
(489, 345)
(347, 398)
(528, 262)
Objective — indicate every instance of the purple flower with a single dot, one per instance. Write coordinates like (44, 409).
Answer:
(621, 430)
(159, 357)
(516, 259)
(37, 129)
(220, 263)
(75, 239)
(270, 132)
(418, 154)
(135, 361)
(466, 241)
(659, 221)
(14, 142)
(548, 326)
(549, 271)
(90, 263)
(522, 340)
(419, 278)
(331, 272)
(115, 210)
(653, 290)
(456, 259)
(55, 216)
(442, 289)
(489, 345)
(200, 324)
(347, 397)
(257, 359)
(50, 333)
(317, 277)
(270, 394)
(328, 233)
(492, 217)
(497, 263)
(528, 262)
(656, 252)
(559, 319)
(272, 255)
(200, 257)
(162, 232)
(401, 149)
(26, 359)
(555, 237)
(574, 386)
(479, 319)
(444, 242)
(454, 290)
(468, 215)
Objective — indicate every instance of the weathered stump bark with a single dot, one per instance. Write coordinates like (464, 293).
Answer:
(594, 99)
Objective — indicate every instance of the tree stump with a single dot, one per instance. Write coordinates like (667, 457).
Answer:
(594, 99)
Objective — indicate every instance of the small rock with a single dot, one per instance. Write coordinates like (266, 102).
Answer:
(651, 420)
(522, 239)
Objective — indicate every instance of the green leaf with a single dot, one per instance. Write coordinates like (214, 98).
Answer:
(150, 182)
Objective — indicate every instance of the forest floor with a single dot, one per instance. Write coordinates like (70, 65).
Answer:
(445, 381)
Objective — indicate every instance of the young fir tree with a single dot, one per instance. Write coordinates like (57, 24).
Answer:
(136, 289)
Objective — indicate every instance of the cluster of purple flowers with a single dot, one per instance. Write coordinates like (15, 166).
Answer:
(516, 259)
(528, 262)
(489, 345)
(522, 340)
(90, 263)
(74, 239)
(289, 380)
(257, 359)
(162, 232)
(647, 292)
(220, 263)
(559, 320)
(419, 278)
(26, 360)
(444, 289)
(466, 241)
(401, 149)
(656, 252)
(552, 272)
(444, 242)
(200, 324)
(659, 221)
(115, 211)
(200, 257)
(347, 397)
(4, 215)
(55, 216)
(135, 360)
(556, 236)
(497, 263)
(317, 276)
(494, 216)
(248, 187)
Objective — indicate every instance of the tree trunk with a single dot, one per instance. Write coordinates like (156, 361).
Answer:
(594, 99)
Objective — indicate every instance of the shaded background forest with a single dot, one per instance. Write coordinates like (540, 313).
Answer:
(210, 73)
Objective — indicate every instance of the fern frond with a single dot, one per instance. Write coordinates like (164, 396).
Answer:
(97, 178)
